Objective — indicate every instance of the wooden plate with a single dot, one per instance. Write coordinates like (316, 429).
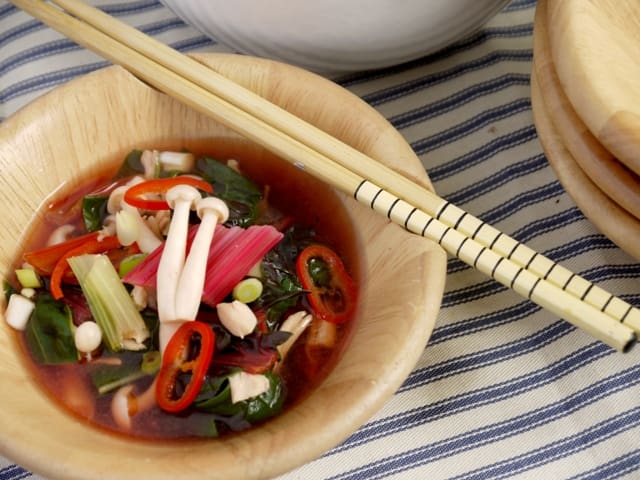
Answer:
(612, 177)
(596, 47)
(613, 221)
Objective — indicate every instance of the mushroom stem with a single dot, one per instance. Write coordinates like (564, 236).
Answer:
(211, 211)
(125, 404)
(296, 324)
(181, 199)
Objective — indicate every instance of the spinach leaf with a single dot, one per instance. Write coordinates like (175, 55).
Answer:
(108, 377)
(8, 290)
(319, 271)
(94, 209)
(49, 333)
(240, 193)
(268, 404)
(215, 398)
(131, 165)
(282, 288)
(151, 320)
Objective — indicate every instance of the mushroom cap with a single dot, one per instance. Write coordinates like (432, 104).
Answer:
(88, 337)
(184, 193)
(214, 205)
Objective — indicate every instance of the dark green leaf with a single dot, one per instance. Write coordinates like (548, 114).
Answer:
(282, 289)
(215, 398)
(94, 209)
(152, 322)
(8, 290)
(107, 377)
(131, 165)
(240, 193)
(269, 403)
(49, 333)
(319, 272)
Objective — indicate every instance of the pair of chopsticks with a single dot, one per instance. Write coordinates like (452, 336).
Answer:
(418, 210)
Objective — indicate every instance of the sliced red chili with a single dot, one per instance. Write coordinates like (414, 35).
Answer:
(91, 245)
(44, 260)
(332, 292)
(135, 195)
(187, 355)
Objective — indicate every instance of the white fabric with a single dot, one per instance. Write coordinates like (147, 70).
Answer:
(504, 389)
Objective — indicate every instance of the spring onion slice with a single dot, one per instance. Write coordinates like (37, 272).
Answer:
(28, 278)
(111, 306)
(247, 290)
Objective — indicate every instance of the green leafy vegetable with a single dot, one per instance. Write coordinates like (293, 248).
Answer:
(49, 333)
(282, 289)
(109, 377)
(215, 398)
(135, 365)
(240, 193)
(8, 290)
(131, 165)
(94, 209)
(319, 272)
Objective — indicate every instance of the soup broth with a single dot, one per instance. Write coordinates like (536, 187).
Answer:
(305, 211)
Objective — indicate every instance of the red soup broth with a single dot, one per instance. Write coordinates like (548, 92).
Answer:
(311, 203)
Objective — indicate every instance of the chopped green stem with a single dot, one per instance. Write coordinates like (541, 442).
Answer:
(111, 306)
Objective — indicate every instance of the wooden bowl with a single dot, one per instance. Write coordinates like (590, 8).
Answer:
(82, 127)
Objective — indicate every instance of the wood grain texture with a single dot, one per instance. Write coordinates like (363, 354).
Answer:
(620, 183)
(595, 47)
(612, 220)
(80, 129)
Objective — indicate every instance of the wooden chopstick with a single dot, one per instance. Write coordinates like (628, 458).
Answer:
(606, 317)
(354, 160)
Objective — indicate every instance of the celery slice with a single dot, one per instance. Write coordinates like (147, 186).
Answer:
(113, 309)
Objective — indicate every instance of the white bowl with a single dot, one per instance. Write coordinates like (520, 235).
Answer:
(337, 35)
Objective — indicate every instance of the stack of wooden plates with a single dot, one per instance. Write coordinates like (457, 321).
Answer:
(585, 91)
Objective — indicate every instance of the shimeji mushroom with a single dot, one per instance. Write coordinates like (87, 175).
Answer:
(211, 211)
(296, 323)
(125, 405)
(182, 199)
(87, 337)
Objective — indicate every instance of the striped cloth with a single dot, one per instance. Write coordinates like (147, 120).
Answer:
(504, 389)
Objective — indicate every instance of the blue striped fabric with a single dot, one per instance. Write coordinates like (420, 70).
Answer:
(504, 389)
